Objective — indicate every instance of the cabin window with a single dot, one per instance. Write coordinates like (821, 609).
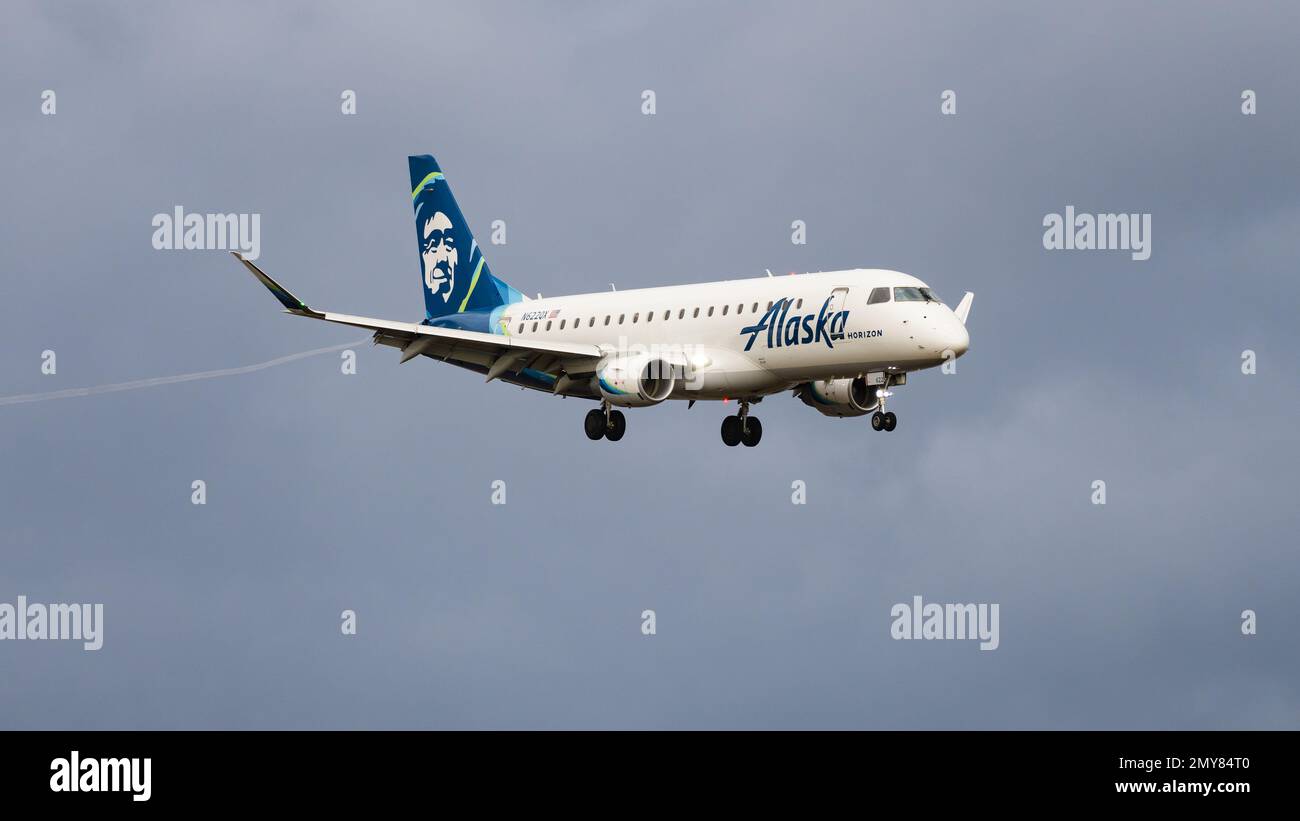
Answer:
(696, 315)
(562, 321)
(606, 319)
(724, 309)
(681, 314)
(521, 328)
(769, 304)
(754, 310)
(799, 303)
(710, 310)
(534, 327)
(649, 316)
(636, 316)
(548, 324)
(591, 323)
(666, 313)
(878, 295)
(620, 318)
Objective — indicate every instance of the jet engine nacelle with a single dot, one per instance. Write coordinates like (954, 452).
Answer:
(840, 397)
(635, 381)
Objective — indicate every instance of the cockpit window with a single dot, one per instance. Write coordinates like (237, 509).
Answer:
(914, 295)
(878, 295)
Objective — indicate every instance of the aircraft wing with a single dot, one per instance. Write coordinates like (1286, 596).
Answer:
(497, 353)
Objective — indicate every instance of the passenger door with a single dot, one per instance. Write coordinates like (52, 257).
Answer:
(839, 298)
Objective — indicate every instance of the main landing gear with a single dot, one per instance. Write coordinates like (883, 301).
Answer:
(742, 428)
(604, 423)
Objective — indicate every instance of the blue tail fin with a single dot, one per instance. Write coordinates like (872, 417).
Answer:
(455, 276)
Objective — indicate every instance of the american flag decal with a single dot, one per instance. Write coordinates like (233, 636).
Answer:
(554, 314)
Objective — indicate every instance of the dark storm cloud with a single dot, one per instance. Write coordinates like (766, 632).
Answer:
(371, 492)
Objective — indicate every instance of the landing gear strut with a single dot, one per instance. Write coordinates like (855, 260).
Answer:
(604, 423)
(742, 428)
(881, 420)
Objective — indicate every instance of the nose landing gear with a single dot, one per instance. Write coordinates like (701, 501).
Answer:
(883, 421)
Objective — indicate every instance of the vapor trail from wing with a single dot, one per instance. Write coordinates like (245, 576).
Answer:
(171, 380)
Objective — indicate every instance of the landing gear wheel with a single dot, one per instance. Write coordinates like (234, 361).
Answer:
(594, 424)
(753, 432)
(617, 425)
(877, 421)
(891, 421)
(731, 431)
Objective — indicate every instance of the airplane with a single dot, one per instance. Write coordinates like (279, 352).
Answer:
(839, 340)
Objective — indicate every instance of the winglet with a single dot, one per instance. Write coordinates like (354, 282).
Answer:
(963, 308)
(291, 303)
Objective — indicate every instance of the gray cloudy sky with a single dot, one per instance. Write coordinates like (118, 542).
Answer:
(371, 492)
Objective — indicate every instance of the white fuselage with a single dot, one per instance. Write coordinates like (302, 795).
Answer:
(739, 347)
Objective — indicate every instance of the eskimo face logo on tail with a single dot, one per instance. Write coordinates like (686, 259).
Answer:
(438, 254)
(782, 329)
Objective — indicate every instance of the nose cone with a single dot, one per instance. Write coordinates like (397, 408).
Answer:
(955, 337)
